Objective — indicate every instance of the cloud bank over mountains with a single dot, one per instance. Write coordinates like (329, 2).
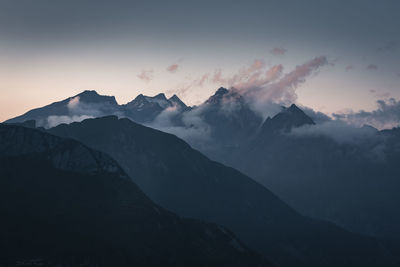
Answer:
(386, 116)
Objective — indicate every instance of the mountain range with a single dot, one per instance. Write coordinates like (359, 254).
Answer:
(88, 104)
(352, 182)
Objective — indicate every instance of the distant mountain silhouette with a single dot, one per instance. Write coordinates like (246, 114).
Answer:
(142, 109)
(285, 121)
(352, 184)
(64, 203)
(317, 175)
(231, 120)
(181, 179)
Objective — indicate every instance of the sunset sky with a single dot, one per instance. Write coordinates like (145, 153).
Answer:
(50, 50)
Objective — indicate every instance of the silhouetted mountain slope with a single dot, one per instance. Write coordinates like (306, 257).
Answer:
(93, 105)
(230, 118)
(285, 121)
(184, 181)
(63, 203)
(354, 183)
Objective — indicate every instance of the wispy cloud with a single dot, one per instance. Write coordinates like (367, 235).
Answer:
(278, 51)
(173, 68)
(349, 67)
(262, 87)
(388, 47)
(146, 75)
(372, 67)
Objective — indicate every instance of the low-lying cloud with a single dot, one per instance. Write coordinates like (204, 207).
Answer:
(386, 116)
(193, 129)
(79, 111)
(339, 131)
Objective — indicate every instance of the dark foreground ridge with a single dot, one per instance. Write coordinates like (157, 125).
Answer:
(184, 181)
(64, 203)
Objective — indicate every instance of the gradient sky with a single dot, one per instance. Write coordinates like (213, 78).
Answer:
(50, 50)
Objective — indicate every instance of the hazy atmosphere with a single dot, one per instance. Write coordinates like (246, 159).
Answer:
(50, 50)
(200, 133)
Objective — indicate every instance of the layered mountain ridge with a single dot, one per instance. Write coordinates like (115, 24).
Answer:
(186, 182)
(63, 203)
(326, 170)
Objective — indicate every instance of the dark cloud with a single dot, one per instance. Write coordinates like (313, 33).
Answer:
(349, 67)
(372, 67)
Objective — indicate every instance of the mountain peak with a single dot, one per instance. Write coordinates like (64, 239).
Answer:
(91, 96)
(221, 91)
(175, 100)
(89, 93)
(286, 120)
(160, 96)
(293, 108)
(217, 97)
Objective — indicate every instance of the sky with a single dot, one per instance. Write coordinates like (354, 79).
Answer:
(51, 50)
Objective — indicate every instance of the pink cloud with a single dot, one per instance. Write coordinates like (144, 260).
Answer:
(284, 89)
(200, 82)
(183, 88)
(372, 67)
(217, 77)
(268, 84)
(278, 51)
(261, 86)
(173, 68)
(146, 75)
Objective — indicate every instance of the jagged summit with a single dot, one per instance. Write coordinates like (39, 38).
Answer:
(221, 91)
(293, 108)
(160, 96)
(175, 98)
(226, 94)
(287, 119)
(176, 101)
